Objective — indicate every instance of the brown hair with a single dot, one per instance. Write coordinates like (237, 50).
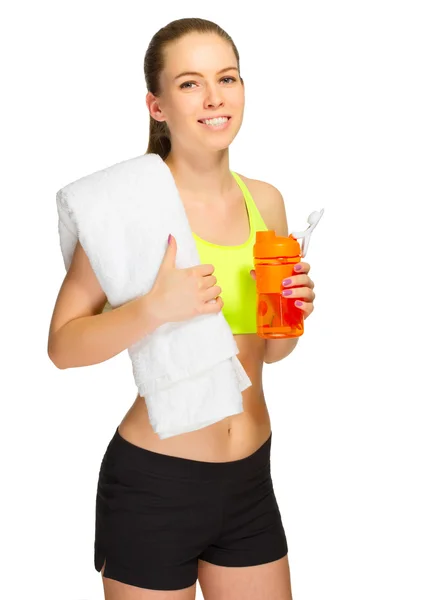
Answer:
(159, 135)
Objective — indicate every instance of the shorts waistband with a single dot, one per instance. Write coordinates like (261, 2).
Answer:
(144, 460)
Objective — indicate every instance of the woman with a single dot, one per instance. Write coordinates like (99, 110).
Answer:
(200, 504)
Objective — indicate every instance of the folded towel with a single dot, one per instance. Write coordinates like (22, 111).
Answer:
(187, 371)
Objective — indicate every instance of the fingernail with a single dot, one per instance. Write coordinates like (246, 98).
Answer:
(286, 292)
(298, 303)
(286, 281)
(298, 267)
(169, 238)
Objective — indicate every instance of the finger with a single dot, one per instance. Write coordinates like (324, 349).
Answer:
(210, 293)
(302, 267)
(298, 280)
(306, 307)
(204, 269)
(212, 306)
(207, 281)
(299, 292)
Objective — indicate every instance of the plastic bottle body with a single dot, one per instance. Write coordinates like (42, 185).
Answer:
(277, 315)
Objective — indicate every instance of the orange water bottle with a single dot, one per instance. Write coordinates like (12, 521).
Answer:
(274, 260)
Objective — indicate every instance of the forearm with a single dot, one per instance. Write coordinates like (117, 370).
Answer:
(90, 340)
(278, 349)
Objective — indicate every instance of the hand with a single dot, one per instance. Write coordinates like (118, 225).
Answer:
(179, 294)
(299, 292)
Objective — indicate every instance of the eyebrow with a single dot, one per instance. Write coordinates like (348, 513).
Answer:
(200, 74)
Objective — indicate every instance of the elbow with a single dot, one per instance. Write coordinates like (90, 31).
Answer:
(54, 359)
(278, 349)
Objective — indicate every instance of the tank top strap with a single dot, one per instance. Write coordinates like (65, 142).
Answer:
(246, 192)
(254, 213)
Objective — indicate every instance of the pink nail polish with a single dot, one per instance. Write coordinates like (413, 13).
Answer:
(298, 267)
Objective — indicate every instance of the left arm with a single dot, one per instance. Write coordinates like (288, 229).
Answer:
(278, 349)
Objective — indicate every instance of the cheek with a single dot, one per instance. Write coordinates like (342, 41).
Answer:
(190, 109)
(237, 97)
(182, 117)
(183, 105)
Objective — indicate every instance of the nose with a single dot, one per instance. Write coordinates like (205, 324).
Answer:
(213, 97)
(214, 103)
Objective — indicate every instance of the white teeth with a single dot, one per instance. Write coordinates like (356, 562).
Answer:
(216, 121)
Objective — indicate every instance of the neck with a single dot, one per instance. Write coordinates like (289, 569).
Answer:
(200, 177)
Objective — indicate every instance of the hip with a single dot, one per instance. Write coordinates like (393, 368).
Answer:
(157, 515)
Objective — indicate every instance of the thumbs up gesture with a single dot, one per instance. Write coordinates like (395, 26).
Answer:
(180, 294)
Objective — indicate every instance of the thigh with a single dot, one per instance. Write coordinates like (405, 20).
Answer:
(249, 556)
(115, 590)
(270, 580)
(252, 531)
(152, 523)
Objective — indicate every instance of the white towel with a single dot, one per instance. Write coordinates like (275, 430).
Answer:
(187, 371)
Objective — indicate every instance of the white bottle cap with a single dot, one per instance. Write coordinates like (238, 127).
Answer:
(313, 219)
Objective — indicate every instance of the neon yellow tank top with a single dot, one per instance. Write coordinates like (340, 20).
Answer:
(232, 270)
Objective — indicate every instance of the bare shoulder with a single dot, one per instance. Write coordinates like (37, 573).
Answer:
(269, 202)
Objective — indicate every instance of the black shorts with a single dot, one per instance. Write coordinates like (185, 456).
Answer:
(157, 514)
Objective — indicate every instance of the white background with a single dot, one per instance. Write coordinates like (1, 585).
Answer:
(335, 118)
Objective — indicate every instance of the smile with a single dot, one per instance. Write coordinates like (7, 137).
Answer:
(216, 126)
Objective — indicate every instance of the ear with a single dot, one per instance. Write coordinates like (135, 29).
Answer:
(153, 107)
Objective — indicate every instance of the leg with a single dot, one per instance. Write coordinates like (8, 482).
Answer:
(115, 590)
(249, 558)
(155, 514)
(270, 580)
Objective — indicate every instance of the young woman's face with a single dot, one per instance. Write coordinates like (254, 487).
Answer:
(217, 91)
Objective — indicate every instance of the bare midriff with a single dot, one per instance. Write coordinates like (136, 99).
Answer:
(232, 438)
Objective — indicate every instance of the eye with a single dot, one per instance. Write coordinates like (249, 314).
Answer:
(185, 83)
(188, 82)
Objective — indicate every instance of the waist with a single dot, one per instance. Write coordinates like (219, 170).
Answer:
(232, 438)
(126, 457)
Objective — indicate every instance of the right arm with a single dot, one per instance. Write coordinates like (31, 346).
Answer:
(80, 334)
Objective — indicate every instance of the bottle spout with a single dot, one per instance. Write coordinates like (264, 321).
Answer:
(313, 220)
